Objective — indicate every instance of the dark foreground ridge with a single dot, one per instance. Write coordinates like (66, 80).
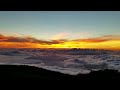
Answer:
(30, 72)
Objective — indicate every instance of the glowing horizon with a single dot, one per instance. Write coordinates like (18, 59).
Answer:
(111, 42)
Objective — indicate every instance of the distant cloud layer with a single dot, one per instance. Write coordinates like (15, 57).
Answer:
(57, 42)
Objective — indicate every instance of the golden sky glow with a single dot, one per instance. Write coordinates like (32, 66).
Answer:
(103, 42)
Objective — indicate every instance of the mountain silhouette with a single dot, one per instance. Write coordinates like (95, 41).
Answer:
(31, 72)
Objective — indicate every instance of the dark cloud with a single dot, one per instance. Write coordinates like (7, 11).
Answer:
(28, 39)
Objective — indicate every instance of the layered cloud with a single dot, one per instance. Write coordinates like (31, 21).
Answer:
(108, 41)
(28, 40)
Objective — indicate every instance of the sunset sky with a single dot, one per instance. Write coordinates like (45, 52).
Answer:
(60, 29)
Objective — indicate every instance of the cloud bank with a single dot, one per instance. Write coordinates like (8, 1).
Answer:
(107, 41)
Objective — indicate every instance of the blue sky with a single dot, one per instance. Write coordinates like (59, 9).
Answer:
(47, 24)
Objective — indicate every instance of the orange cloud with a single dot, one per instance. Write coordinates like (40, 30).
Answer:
(90, 40)
(100, 39)
(103, 42)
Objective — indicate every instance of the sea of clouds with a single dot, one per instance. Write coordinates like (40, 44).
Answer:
(65, 61)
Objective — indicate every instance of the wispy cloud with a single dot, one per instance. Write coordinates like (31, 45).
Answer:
(100, 39)
(62, 35)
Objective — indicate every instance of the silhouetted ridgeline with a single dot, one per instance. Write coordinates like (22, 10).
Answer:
(30, 72)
